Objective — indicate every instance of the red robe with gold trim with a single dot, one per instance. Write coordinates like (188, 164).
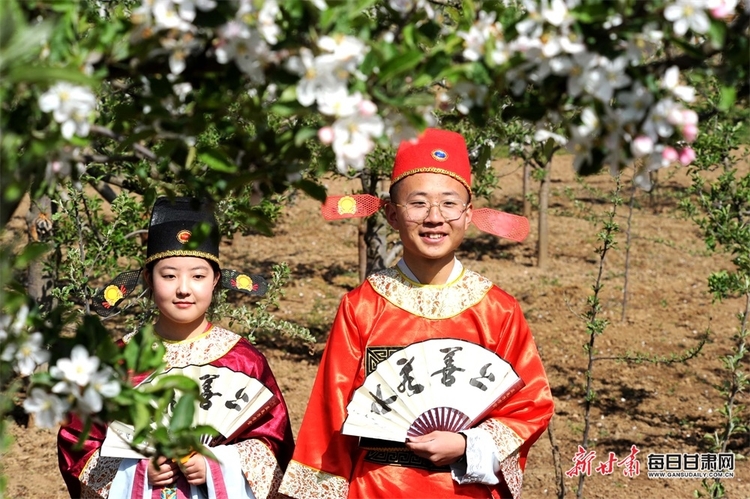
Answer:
(264, 448)
(389, 310)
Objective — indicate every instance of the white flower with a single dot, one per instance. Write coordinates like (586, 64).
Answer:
(320, 78)
(467, 95)
(71, 106)
(406, 6)
(582, 73)
(267, 21)
(340, 103)
(608, 77)
(12, 326)
(542, 135)
(633, 103)
(31, 354)
(476, 38)
(48, 409)
(720, 9)
(246, 47)
(347, 51)
(353, 134)
(166, 16)
(78, 369)
(688, 14)
(103, 384)
(671, 82)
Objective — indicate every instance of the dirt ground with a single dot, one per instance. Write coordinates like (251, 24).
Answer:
(657, 408)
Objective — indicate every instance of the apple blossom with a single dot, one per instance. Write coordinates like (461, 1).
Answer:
(48, 409)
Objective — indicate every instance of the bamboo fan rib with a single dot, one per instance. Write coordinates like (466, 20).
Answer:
(437, 384)
(231, 402)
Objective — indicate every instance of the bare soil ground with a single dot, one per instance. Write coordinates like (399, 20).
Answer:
(658, 408)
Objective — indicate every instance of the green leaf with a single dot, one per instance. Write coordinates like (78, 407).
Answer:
(172, 382)
(312, 189)
(727, 97)
(217, 161)
(38, 74)
(303, 135)
(400, 64)
(182, 416)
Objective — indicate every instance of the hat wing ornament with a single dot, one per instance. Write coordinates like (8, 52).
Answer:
(352, 206)
(231, 402)
(501, 224)
(435, 385)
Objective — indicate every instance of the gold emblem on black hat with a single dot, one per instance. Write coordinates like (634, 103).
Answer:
(183, 236)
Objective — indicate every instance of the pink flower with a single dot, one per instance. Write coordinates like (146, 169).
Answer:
(325, 135)
(367, 108)
(670, 154)
(687, 156)
(690, 132)
(641, 146)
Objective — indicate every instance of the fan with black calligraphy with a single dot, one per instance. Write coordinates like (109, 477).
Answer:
(438, 384)
(231, 402)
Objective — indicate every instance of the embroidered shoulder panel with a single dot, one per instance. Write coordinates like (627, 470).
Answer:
(508, 444)
(209, 347)
(260, 467)
(304, 482)
(430, 301)
(97, 476)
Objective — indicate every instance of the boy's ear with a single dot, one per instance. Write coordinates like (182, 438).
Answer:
(468, 214)
(391, 215)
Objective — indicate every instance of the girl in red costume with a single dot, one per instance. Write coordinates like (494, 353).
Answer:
(251, 463)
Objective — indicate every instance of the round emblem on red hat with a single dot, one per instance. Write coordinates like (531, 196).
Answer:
(440, 155)
(183, 236)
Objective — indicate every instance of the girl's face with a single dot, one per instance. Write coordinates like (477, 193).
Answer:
(182, 288)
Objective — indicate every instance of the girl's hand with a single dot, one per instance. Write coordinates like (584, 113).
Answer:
(194, 470)
(440, 447)
(162, 471)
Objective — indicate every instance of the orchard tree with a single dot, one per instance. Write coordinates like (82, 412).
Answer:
(242, 101)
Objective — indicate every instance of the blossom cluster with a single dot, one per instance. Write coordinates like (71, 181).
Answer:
(618, 113)
(24, 354)
(71, 106)
(81, 386)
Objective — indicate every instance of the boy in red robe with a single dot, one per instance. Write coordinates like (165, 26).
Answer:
(428, 295)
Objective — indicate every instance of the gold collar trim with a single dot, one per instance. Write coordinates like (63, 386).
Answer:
(427, 300)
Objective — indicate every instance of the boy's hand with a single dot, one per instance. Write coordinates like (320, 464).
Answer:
(440, 447)
(194, 469)
(162, 471)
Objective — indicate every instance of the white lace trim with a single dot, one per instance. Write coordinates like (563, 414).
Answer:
(428, 300)
(304, 482)
(260, 468)
(97, 475)
(508, 444)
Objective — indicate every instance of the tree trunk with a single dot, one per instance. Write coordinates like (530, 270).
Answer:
(526, 189)
(543, 241)
(373, 245)
(39, 229)
(362, 246)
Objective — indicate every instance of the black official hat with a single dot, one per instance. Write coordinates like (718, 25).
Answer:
(171, 229)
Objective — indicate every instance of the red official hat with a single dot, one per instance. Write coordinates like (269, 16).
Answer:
(435, 151)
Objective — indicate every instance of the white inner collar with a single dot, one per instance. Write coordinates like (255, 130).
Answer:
(457, 269)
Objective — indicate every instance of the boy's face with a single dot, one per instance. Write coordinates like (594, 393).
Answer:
(182, 288)
(433, 237)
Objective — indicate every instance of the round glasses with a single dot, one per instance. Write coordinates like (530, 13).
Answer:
(418, 211)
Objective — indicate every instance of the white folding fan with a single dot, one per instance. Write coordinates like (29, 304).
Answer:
(437, 384)
(232, 401)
